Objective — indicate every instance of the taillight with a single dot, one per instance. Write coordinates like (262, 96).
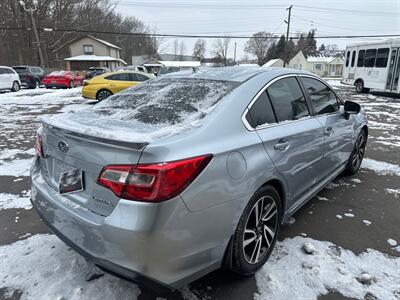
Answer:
(39, 145)
(152, 182)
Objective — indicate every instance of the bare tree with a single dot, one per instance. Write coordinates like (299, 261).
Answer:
(176, 48)
(258, 45)
(17, 47)
(221, 49)
(182, 49)
(199, 49)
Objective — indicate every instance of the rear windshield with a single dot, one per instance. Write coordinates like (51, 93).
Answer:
(166, 100)
(20, 69)
(57, 73)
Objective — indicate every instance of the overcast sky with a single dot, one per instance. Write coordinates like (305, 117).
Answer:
(332, 17)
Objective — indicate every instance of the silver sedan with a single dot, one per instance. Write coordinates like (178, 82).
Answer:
(193, 171)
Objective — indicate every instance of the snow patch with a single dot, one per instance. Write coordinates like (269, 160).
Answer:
(16, 168)
(43, 268)
(392, 242)
(356, 180)
(8, 201)
(349, 215)
(366, 222)
(380, 167)
(395, 192)
(289, 271)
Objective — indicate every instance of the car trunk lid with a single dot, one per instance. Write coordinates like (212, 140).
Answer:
(67, 150)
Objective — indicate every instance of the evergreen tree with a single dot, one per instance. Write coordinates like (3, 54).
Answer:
(280, 47)
(322, 48)
(290, 51)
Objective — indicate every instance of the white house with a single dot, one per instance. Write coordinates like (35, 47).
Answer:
(276, 62)
(166, 60)
(318, 64)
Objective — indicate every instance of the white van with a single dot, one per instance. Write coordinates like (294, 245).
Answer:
(373, 65)
(9, 79)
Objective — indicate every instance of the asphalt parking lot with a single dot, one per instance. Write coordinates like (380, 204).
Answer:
(353, 213)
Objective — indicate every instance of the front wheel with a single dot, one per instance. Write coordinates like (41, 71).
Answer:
(15, 87)
(357, 155)
(257, 231)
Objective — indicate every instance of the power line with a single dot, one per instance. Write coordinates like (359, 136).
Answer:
(182, 5)
(200, 35)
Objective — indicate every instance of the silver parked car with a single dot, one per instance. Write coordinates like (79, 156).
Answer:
(191, 172)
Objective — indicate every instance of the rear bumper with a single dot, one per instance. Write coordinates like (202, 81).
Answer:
(57, 85)
(104, 264)
(89, 93)
(159, 245)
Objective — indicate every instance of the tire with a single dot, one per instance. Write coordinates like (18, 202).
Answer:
(15, 87)
(357, 155)
(253, 241)
(360, 87)
(103, 94)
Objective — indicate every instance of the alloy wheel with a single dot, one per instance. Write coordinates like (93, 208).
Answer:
(16, 86)
(103, 95)
(260, 229)
(359, 151)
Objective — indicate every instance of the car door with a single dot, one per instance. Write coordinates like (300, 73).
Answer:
(3, 79)
(338, 127)
(119, 82)
(294, 142)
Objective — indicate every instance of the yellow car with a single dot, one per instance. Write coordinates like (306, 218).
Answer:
(105, 85)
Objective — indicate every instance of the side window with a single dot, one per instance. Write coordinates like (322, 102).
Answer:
(353, 58)
(2, 71)
(287, 99)
(382, 58)
(370, 55)
(119, 77)
(360, 60)
(261, 112)
(322, 98)
(347, 58)
(141, 77)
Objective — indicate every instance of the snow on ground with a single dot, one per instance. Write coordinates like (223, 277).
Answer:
(291, 273)
(43, 267)
(380, 167)
(14, 201)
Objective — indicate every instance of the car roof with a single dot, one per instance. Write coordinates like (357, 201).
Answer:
(235, 73)
(126, 71)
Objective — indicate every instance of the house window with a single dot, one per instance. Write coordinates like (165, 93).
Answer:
(88, 49)
(318, 67)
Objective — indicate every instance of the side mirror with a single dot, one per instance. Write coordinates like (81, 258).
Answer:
(351, 107)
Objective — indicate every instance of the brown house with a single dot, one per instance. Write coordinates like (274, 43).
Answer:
(90, 51)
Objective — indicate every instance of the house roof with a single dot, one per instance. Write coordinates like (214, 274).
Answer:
(271, 62)
(93, 58)
(104, 42)
(193, 63)
(173, 57)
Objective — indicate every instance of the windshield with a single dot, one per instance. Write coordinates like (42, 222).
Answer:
(166, 100)
(20, 69)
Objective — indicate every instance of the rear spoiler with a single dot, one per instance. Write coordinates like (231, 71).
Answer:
(76, 135)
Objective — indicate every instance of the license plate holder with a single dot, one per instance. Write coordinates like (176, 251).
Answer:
(70, 182)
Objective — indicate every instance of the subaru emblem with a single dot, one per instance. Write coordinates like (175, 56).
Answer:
(63, 146)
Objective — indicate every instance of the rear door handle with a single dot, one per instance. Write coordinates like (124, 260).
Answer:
(328, 131)
(281, 146)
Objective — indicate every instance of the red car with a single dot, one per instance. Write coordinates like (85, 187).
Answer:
(62, 79)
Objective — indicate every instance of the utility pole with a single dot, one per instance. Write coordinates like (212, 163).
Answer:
(234, 55)
(288, 27)
(31, 9)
